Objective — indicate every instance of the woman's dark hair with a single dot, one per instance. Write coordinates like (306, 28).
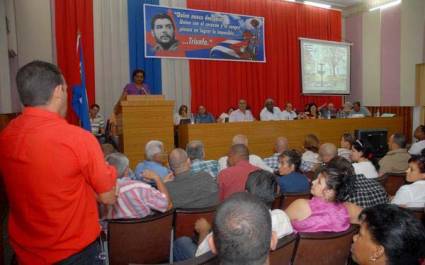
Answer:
(367, 150)
(348, 137)
(396, 229)
(181, 109)
(311, 142)
(311, 105)
(340, 177)
(294, 158)
(419, 160)
(263, 185)
(138, 71)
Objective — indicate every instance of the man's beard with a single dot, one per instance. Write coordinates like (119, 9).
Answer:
(166, 45)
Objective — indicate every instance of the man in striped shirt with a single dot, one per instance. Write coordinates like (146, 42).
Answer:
(136, 199)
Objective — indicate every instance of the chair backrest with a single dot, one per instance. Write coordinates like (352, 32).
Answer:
(206, 259)
(289, 197)
(284, 251)
(277, 203)
(184, 219)
(324, 248)
(419, 212)
(393, 181)
(145, 240)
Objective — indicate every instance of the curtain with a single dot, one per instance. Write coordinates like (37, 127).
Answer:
(71, 17)
(219, 85)
(152, 67)
(111, 51)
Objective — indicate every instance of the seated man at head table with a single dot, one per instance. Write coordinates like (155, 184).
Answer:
(203, 116)
(270, 112)
(288, 113)
(242, 113)
(359, 111)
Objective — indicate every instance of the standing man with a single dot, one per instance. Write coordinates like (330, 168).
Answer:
(53, 173)
(163, 30)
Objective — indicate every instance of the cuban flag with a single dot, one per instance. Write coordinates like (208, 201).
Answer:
(79, 93)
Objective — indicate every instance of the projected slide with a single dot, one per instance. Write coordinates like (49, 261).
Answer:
(325, 67)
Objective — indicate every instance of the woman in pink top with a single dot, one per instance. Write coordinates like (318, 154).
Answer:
(326, 212)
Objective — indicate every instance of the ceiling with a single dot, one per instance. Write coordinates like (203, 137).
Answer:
(340, 3)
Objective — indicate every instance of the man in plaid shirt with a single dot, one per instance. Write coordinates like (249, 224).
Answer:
(280, 146)
(366, 192)
(196, 153)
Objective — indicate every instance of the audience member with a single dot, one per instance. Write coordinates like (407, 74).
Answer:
(270, 112)
(53, 172)
(242, 113)
(280, 145)
(325, 212)
(135, 199)
(154, 152)
(242, 231)
(417, 147)
(253, 159)
(358, 110)
(396, 160)
(327, 152)
(196, 152)
(260, 183)
(107, 149)
(203, 116)
(347, 141)
(310, 157)
(138, 87)
(288, 113)
(413, 195)
(190, 190)
(233, 178)
(389, 235)
(362, 156)
(366, 192)
(183, 114)
(327, 110)
(291, 180)
(224, 117)
(96, 121)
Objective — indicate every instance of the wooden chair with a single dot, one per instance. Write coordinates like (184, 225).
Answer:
(289, 197)
(393, 181)
(184, 219)
(324, 248)
(277, 203)
(145, 240)
(419, 212)
(284, 250)
(206, 259)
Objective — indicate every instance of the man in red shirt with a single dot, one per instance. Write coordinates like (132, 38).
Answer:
(233, 178)
(53, 172)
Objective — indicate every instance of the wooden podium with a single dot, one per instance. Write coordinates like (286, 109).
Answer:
(141, 119)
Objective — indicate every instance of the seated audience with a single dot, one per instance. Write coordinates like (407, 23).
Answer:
(362, 156)
(253, 159)
(347, 141)
(242, 231)
(233, 178)
(196, 152)
(242, 113)
(310, 157)
(327, 110)
(291, 180)
(183, 114)
(413, 195)
(396, 160)
(366, 192)
(288, 113)
(327, 152)
(107, 149)
(358, 110)
(260, 183)
(135, 199)
(417, 147)
(224, 117)
(154, 151)
(96, 120)
(270, 112)
(389, 235)
(325, 212)
(203, 116)
(280, 146)
(189, 190)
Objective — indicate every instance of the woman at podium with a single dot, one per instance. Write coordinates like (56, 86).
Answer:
(137, 87)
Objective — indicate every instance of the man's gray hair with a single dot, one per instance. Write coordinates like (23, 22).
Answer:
(400, 140)
(195, 150)
(119, 161)
(152, 148)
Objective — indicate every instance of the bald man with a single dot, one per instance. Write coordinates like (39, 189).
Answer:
(270, 112)
(242, 113)
(253, 159)
(190, 190)
(280, 146)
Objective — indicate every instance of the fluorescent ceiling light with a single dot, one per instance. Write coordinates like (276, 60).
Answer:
(390, 4)
(317, 4)
(290, 0)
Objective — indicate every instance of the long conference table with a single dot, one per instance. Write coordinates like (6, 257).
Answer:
(217, 137)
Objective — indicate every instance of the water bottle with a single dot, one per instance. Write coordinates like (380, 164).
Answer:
(378, 113)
